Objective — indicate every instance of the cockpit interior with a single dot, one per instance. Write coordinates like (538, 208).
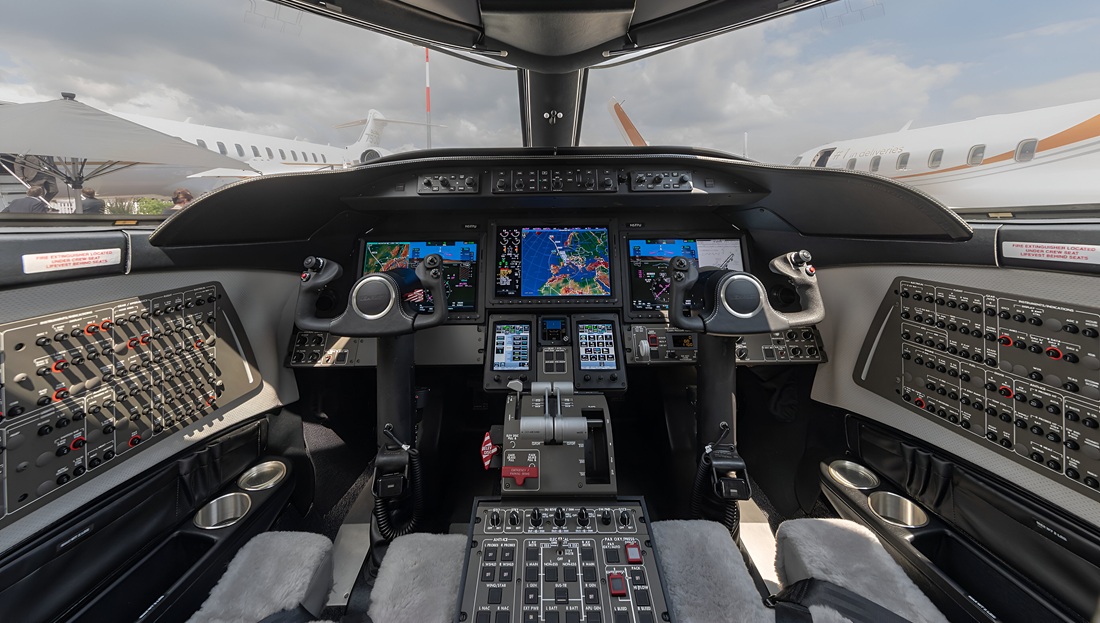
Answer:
(541, 384)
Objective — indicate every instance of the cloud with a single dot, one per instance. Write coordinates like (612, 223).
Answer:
(1057, 29)
(1069, 89)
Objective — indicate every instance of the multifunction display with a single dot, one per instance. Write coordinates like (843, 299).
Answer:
(512, 346)
(649, 280)
(548, 262)
(596, 345)
(459, 268)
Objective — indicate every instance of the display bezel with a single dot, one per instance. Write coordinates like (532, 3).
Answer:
(615, 350)
(610, 300)
(628, 282)
(531, 353)
(479, 258)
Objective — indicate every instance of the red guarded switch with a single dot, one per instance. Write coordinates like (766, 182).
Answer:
(633, 553)
(617, 583)
(519, 472)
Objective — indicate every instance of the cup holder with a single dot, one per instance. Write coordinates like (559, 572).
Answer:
(263, 476)
(223, 512)
(852, 475)
(896, 510)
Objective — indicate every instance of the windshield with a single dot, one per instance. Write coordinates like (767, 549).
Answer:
(870, 85)
(262, 86)
(985, 104)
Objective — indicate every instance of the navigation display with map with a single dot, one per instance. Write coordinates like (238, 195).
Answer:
(649, 281)
(541, 262)
(459, 268)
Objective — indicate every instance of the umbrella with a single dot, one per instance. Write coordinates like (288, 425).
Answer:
(85, 142)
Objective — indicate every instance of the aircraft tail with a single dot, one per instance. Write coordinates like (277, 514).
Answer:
(630, 133)
(369, 146)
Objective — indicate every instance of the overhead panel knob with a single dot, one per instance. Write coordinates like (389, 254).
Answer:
(559, 517)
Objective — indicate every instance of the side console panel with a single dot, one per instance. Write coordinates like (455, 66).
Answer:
(1018, 375)
(85, 389)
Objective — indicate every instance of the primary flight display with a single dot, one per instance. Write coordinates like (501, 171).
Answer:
(459, 267)
(547, 262)
(649, 280)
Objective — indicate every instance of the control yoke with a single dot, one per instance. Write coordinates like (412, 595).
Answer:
(379, 302)
(735, 302)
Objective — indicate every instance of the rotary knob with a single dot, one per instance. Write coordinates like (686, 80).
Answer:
(559, 517)
(583, 518)
(513, 518)
(494, 519)
(536, 518)
(605, 517)
(624, 518)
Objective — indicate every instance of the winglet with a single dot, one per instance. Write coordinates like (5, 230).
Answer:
(626, 127)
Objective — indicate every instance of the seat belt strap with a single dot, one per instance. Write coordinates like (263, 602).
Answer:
(792, 604)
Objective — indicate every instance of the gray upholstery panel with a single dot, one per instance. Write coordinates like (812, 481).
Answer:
(849, 555)
(275, 571)
(419, 580)
(705, 576)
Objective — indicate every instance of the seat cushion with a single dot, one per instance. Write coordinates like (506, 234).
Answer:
(705, 577)
(848, 555)
(275, 571)
(419, 580)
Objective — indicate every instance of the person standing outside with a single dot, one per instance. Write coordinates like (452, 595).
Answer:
(33, 203)
(90, 204)
(180, 199)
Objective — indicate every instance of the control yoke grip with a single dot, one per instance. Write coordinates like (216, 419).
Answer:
(430, 274)
(682, 276)
(316, 274)
(796, 267)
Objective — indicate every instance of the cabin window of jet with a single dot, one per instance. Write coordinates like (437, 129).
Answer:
(903, 161)
(851, 164)
(294, 155)
(255, 152)
(796, 161)
(323, 159)
(935, 158)
(314, 157)
(270, 156)
(1025, 151)
(200, 143)
(221, 149)
(977, 154)
(240, 150)
(875, 162)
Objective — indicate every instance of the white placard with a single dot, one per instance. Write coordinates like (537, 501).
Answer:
(1052, 252)
(68, 260)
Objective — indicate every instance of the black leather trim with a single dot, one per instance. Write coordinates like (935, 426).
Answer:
(69, 566)
(1056, 551)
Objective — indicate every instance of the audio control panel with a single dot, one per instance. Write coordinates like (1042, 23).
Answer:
(1018, 374)
(659, 344)
(83, 389)
(565, 563)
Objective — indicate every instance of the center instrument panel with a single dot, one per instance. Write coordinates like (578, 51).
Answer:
(83, 390)
(578, 265)
(538, 562)
(1015, 374)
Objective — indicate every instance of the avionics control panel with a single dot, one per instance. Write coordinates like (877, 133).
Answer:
(1017, 374)
(565, 563)
(661, 344)
(87, 388)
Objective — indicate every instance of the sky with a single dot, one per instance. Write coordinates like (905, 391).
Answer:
(855, 68)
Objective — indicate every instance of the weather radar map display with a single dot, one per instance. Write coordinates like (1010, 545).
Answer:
(459, 268)
(649, 280)
(549, 262)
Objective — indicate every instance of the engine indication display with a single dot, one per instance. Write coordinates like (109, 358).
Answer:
(459, 268)
(649, 279)
(545, 262)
